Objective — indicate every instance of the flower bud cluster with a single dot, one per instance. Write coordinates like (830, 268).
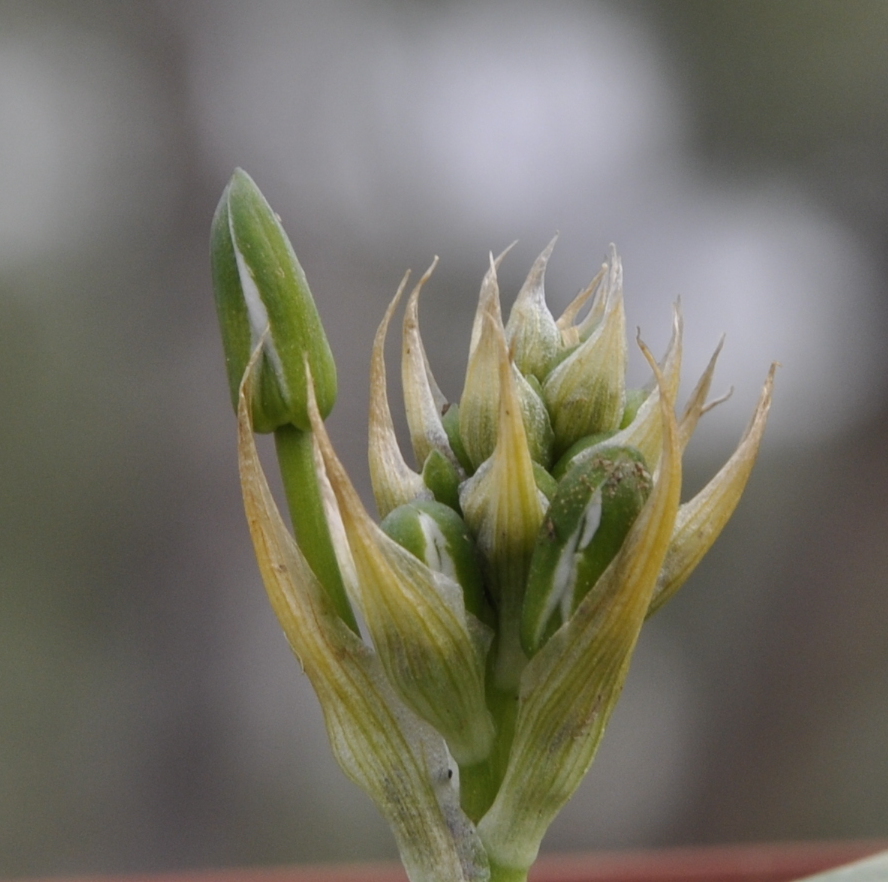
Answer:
(517, 558)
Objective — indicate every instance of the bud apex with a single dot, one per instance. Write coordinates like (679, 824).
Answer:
(262, 296)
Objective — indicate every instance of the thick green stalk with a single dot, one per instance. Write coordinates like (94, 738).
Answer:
(480, 783)
(506, 874)
(296, 461)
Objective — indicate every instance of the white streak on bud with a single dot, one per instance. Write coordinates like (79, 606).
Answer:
(260, 330)
(437, 551)
(589, 524)
(564, 578)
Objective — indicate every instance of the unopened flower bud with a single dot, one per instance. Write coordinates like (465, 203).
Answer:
(439, 537)
(262, 296)
(595, 505)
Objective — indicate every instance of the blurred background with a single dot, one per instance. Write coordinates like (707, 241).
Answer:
(151, 716)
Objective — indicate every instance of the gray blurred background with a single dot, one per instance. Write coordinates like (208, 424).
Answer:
(151, 716)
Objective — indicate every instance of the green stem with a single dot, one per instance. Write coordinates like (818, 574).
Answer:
(508, 576)
(296, 460)
(477, 789)
(506, 874)
(480, 783)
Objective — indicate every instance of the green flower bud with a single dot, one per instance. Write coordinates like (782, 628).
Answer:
(439, 537)
(262, 296)
(595, 505)
(570, 456)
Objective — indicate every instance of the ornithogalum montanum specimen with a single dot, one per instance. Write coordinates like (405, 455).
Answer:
(504, 589)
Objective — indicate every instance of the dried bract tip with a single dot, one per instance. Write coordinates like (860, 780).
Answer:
(394, 482)
(424, 403)
(701, 520)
